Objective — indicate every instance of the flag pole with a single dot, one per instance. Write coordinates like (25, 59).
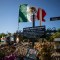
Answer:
(18, 20)
(18, 25)
(33, 11)
(40, 17)
(33, 20)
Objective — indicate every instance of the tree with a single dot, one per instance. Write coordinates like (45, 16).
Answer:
(58, 30)
(2, 34)
(55, 35)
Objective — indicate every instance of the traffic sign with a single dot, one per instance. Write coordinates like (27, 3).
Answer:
(36, 32)
(54, 18)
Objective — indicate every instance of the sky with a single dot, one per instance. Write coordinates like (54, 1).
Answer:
(9, 11)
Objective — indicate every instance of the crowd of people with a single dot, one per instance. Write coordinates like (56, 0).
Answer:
(24, 51)
(18, 51)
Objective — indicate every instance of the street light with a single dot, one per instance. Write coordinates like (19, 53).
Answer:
(17, 40)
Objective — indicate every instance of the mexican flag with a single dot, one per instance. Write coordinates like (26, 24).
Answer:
(24, 13)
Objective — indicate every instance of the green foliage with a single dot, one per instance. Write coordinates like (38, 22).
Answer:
(2, 34)
(57, 35)
(54, 35)
(58, 30)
